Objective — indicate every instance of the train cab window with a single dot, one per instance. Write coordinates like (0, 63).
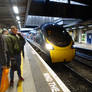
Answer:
(58, 35)
(49, 32)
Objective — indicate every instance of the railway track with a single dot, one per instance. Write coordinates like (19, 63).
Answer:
(84, 56)
(82, 68)
(85, 51)
(72, 78)
(82, 60)
(81, 73)
(84, 83)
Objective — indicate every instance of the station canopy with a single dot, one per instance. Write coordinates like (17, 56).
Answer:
(36, 12)
(36, 21)
(66, 12)
(12, 12)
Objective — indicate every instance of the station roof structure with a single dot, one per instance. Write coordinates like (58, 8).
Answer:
(57, 8)
(68, 11)
(10, 17)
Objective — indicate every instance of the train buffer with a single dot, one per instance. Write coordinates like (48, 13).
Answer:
(38, 76)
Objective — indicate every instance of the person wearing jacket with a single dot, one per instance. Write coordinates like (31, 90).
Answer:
(5, 32)
(4, 63)
(15, 43)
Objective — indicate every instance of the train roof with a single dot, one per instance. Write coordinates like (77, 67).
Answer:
(49, 26)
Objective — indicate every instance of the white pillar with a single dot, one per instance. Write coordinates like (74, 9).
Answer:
(80, 35)
(73, 35)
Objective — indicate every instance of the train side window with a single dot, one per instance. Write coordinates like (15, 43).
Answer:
(39, 37)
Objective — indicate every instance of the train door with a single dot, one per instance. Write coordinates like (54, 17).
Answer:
(89, 38)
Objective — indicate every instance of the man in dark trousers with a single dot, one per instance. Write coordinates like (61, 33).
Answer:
(15, 43)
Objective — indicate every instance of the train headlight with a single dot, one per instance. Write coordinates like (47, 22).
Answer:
(49, 46)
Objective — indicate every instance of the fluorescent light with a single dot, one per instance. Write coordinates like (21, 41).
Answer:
(18, 22)
(77, 3)
(62, 1)
(89, 25)
(15, 9)
(73, 27)
(17, 17)
(81, 26)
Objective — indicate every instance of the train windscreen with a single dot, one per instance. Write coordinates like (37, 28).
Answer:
(58, 36)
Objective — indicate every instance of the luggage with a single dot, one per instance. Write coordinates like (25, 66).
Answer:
(4, 81)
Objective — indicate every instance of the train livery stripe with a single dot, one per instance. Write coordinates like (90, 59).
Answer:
(20, 84)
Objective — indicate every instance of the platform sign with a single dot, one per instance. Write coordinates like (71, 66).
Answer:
(89, 38)
(83, 38)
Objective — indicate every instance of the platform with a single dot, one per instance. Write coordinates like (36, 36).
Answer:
(83, 46)
(38, 76)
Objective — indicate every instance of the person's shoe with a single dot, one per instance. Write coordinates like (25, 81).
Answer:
(11, 83)
(21, 78)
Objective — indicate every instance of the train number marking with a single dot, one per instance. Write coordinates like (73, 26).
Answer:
(51, 83)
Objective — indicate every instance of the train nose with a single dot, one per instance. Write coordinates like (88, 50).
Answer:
(62, 55)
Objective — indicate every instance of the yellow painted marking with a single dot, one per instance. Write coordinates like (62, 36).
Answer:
(20, 84)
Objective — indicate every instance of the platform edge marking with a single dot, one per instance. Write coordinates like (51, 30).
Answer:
(53, 74)
(20, 87)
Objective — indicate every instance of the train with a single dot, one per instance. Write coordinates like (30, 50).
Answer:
(54, 41)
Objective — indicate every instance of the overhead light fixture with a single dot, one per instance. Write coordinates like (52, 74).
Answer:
(15, 9)
(73, 27)
(89, 25)
(81, 27)
(17, 17)
(77, 3)
(61, 1)
(18, 22)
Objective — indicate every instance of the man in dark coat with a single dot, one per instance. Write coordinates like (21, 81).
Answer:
(15, 43)
(4, 63)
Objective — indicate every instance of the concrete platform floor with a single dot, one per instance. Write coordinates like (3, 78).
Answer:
(37, 77)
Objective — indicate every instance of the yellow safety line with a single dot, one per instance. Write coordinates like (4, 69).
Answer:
(20, 84)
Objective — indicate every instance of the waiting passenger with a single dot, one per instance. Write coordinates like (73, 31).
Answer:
(38, 38)
(15, 43)
(4, 63)
(5, 32)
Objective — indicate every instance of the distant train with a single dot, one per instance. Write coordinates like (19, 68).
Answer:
(54, 41)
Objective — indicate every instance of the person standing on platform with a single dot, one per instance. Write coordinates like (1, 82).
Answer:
(4, 63)
(5, 32)
(15, 43)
